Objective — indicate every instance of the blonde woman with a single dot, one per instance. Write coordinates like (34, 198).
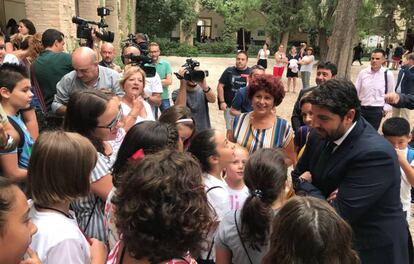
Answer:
(134, 108)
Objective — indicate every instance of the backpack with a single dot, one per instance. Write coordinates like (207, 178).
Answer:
(410, 154)
(19, 130)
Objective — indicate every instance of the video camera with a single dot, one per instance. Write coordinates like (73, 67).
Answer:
(142, 45)
(83, 30)
(190, 73)
(141, 60)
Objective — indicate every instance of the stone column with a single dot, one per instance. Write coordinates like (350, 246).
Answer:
(53, 14)
(113, 21)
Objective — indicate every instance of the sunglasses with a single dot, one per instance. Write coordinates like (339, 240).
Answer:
(114, 122)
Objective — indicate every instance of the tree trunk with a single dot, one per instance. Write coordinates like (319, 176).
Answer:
(133, 4)
(323, 43)
(123, 16)
(186, 34)
(285, 39)
(343, 33)
(244, 40)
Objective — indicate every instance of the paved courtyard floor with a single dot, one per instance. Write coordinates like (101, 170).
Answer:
(216, 66)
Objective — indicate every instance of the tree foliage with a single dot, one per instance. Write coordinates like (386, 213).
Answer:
(236, 13)
(284, 16)
(159, 17)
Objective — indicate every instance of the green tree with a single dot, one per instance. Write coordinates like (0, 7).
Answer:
(283, 17)
(159, 17)
(237, 15)
(320, 18)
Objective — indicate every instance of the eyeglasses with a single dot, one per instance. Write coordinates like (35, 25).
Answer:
(115, 121)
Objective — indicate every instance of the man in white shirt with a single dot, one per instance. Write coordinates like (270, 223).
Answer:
(372, 84)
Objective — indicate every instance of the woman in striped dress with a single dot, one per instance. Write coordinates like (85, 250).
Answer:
(97, 116)
(262, 128)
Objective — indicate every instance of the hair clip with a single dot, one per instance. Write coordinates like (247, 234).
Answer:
(184, 120)
(138, 155)
(258, 193)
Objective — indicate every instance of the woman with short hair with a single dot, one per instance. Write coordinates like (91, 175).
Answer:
(262, 128)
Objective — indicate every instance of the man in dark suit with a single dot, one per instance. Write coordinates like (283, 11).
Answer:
(347, 162)
(404, 95)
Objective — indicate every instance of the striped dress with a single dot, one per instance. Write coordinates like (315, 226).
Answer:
(278, 135)
(91, 206)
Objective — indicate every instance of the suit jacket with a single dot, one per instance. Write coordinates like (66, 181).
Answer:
(407, 84)
(366, 172)
(407, 88)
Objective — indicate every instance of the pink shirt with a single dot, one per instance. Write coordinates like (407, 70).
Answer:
(370, 86)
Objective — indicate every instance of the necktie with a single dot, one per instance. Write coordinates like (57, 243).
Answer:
(323, 158)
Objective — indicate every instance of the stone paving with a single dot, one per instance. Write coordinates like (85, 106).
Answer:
(216, 66)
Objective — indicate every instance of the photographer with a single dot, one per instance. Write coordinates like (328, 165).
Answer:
(194, 95)
(153, 87)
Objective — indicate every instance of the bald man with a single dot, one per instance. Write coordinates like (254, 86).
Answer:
(108, 54)
(87, 75)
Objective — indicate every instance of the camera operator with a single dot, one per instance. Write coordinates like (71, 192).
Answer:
(87, 74)
(153, 86)
(142, 42)
(108, 55)
(196, 96)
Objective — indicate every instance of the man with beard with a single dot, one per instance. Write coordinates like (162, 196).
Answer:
(196, 97)
(348, 163)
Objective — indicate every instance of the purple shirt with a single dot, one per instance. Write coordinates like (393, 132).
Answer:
(370, 86)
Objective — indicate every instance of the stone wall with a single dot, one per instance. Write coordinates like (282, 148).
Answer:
(53, 14)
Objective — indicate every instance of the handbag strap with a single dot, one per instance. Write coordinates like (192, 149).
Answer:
(90, 216)
(241, 240)
(210, 250)
(37, 89)
(386, 80)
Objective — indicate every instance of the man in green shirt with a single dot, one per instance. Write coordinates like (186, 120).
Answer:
(51, 65)
(164, 70)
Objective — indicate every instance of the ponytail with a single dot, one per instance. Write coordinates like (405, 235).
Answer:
(265, 175)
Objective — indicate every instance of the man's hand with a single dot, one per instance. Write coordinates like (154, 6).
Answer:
(392, 98)
(180, 73)
(223, 106)
(332, 196)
